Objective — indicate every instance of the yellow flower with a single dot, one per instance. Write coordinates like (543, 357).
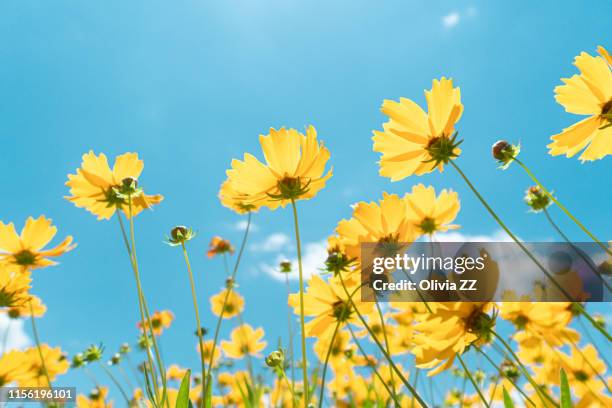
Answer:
(218, 246)
(329, 304)
(14, 286)
(604, 54)
(25, 309)
(589, 93)
(95, 399)
(208, 347)
(410, 138)
(96, 187)
(280, 395)
(233, 306)
(13, 367)
(548, 321)
(231, 199)
(174, 372)
(340, 350)
(582, 367)
(295, 166)
(390, 378)
(448, 330)
(430, 214)
(245, 341)
(55, 364)
(159, 321)
(27, 249)
(384, 222)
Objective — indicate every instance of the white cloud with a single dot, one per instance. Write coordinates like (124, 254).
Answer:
(314, 255)
(450, 20)
(16, 336)
(272, 243)
(454, 236)
(242, 224)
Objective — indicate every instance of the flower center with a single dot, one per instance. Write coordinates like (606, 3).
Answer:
(441, 149)
(581, 375)
(388, 245)
(521, 321)
(7, 299)
(480, 324)
(606, 109)
(25, 258)
(428, 225)
(290, 188)
(341, 311)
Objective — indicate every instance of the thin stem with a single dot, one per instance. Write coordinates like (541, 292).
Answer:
(160, 364)
(586, 360)
(37, 340)
(290, 332)
(114, 380)
(301, 283)
(329, 349)
(380, 346)
(561, 206)
(386, 338)
(5, 336)
(145, 318)
(576, 249)
(197, 313)
(126, 377)
(289, 385)
(519, 389)
(543, 395)
(472, 380)
(577, 305)
(140, 302)
(373, 367)
(227, 294)
(248, 356)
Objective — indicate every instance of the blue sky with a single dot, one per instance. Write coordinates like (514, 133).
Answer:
(189, 85)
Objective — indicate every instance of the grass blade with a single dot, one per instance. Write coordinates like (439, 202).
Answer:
(566, 397)
(507, 400)
(182, 400)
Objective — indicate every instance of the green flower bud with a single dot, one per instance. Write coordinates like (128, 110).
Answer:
(505, 153)
(275, 358)
(179, 235)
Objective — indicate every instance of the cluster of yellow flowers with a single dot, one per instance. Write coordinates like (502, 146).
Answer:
(360, 342)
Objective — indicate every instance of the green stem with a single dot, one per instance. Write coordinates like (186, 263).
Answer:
(373, 367)
(543, 395)
(37, 340)
(577, 305)
(380, 346)
(289, 385)
(499, 371)
(561, 206)
(473, 381)
(301, 283)
(5, 336)
(227, 294)
(197, 313)
(386, 338)
(146, 319)
(329, 349)
(117, 383)
(576, 249)
(290, 332)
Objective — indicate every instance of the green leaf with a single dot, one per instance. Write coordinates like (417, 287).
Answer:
(182, 400)
(208, 397)
(566, 397)
(507, 400)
